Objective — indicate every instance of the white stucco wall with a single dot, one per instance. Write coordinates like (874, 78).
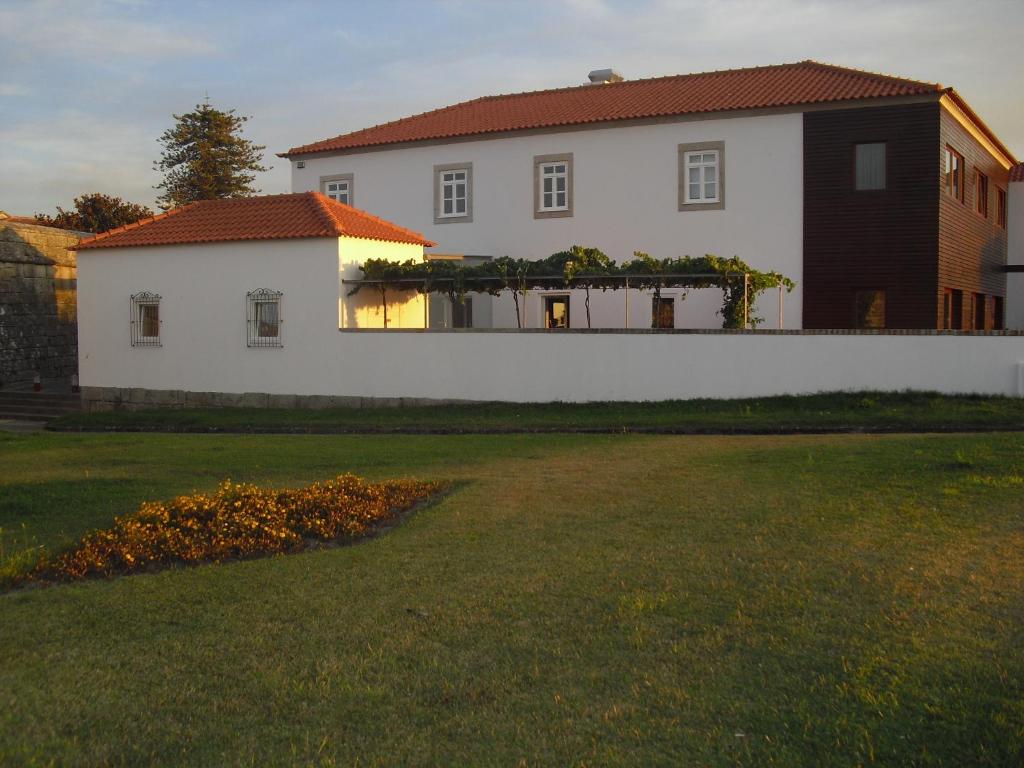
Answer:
(203, 309)
(625, 199)
(1015, 255)
(203, 334)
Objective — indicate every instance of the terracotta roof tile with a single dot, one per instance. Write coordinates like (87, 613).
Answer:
(803, 83)
(270, 217)
(1017, 172)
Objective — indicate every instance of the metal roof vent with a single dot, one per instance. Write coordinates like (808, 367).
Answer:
(600, 76)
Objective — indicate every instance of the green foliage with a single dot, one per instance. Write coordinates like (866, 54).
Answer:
(206, 158)
(96, 212)
(585, 268)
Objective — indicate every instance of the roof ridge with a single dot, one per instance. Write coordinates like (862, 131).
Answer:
(865, 83)
(320, 200)
(871, 73)
(137, 224)
(367, 215)
(539, 92)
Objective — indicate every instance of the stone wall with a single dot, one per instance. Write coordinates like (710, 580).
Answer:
(38, 307)
(95, 399)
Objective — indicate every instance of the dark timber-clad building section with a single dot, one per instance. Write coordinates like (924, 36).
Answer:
(904, 221)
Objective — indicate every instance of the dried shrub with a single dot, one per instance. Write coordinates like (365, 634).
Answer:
(237, 521)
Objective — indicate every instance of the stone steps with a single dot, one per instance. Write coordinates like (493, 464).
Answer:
(38, 406)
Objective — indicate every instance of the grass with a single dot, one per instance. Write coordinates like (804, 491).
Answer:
(874, 411)
(577, 600)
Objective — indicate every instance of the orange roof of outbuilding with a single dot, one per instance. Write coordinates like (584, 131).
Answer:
(1017, 172)
(781, 85)
(268, 217)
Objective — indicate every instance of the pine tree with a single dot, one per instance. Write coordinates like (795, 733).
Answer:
(96, 212)
(206, 158)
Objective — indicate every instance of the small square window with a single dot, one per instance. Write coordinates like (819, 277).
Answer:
(145, 324)
(263, 318)
(870, 166)
(339, 188)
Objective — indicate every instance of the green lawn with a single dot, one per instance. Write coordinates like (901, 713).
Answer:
(577, 600)
(874, 411)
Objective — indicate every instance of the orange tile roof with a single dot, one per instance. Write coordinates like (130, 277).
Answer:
(1017, 172)
(802, 83)
(269, 217)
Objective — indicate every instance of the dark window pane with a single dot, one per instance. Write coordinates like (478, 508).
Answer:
(870, 166)
(870, 309)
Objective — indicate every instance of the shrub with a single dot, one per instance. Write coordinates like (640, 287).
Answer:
(237, 521)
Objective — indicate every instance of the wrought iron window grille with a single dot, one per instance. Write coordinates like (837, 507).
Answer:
(145, 319)
(263, 318)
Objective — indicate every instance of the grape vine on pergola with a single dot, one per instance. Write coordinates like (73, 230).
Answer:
(578, 268)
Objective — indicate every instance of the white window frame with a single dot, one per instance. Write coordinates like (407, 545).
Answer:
(692, 156)
(347, 179)
(554, 172)
(697, 160)
(441, 183)
(541, 172)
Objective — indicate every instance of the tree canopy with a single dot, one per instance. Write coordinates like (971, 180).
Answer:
(96, 212)
(205, 157)
(584, 268)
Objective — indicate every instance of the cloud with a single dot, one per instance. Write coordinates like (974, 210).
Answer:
(13, 89)
(92, 31)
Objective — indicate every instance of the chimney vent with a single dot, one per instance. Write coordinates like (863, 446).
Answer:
(600, 76)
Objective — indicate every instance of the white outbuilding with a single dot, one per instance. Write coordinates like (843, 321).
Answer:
(240, 288)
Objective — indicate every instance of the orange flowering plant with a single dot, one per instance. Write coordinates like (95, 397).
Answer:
(236, 521)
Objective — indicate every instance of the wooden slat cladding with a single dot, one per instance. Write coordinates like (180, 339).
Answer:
(874, 239)
(972, 249)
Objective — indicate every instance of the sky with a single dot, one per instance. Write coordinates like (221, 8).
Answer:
(88, 86)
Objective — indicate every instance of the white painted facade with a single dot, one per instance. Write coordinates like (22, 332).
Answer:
(625, 198)
(202, 289)
(1015, 255)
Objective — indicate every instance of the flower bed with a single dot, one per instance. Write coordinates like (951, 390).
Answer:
(236, 521)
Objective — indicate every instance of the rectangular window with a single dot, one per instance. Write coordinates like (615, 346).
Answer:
(978, 311)
(702, 176)
(263, 318)
(998, 319)
(947, 309)
(869, 306)
(981, 193)
(956, 322)
(145, 323)
(663, 312)
(462, 313)
(339, 188)
(556, 311)
(552, 192)
(453, 193)
(870, 165)
(954, 173)
(1001, 207)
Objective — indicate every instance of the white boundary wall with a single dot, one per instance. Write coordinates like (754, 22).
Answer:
(204, 342)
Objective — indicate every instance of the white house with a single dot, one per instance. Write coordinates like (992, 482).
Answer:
(223, 292)
(862, 188)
